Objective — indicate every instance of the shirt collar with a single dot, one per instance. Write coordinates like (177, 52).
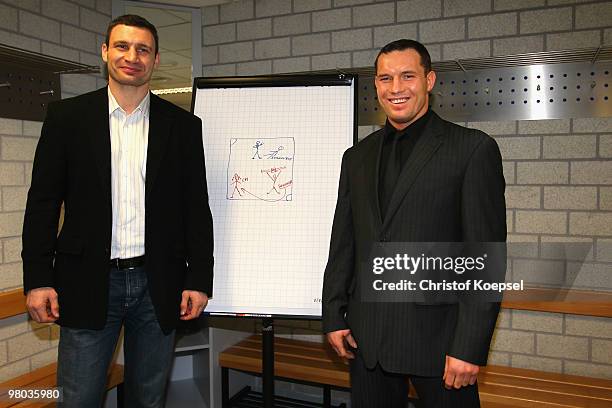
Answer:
(144, 106)
(415, 127)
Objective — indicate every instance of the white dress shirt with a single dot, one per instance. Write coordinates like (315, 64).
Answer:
(129, 139)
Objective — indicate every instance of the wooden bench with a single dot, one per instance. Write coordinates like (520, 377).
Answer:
(580, 302)
(12, 303)
(500, 387)
(45, 377)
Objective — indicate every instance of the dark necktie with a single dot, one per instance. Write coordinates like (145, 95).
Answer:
(392, 172)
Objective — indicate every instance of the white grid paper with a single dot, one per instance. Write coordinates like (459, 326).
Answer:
(270, 255)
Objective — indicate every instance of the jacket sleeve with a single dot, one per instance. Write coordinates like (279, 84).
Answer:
(198, 218)
(45, 197)
(340, 264)
(483, 212)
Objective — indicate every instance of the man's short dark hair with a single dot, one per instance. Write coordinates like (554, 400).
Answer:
(403, 44)
(132, 20)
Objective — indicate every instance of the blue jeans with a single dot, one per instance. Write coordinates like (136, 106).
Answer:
(85, 355)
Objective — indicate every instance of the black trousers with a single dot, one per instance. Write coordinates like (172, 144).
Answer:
(377, 388)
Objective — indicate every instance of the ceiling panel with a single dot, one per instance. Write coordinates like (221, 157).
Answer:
(170, 60)
(175, 37)
(158, 17)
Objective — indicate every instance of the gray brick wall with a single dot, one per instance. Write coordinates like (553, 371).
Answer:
(557, 182)
(558, 172)
(66, 29)
(62, 28)
(25, 345)
(450, 28)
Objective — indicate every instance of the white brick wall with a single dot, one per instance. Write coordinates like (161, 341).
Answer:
(570, 147)
(254, 68)
(577, 39)
(518, 45)
(591, 223)
(294, 24)
(295, 64)
(442, 30)
(331, 61)
(352, 40)
(235, 11)
(463, 7)
(537, 321)
(311, 44)
(331, 20)
(310, 5)
(537, 363)
(533, 172)
(513, 340)
(594, 15)
(37, 26)
(496, 25)
(23, 345)
(386, 34)
(519, 147)
(592, 172)
(375, 14)
(265, 8)
(239, 51)
(570, 198)
(502, 5)
(417, 10)
(554, 126)
(65, 29)
(547, 20)
(249, 30)
(217, 34)
(466, 49)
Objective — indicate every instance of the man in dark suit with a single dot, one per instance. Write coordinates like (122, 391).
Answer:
(119, 159)
(419, 179)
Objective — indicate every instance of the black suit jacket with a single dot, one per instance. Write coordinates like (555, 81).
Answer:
(451, 189)
(72, 165)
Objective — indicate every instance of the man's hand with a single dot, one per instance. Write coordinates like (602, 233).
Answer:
(459, 373)
(43, 305)
(338, 340)
(192, 304)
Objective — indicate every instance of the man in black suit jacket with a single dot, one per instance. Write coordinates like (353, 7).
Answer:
(420, 179)
(113, 177)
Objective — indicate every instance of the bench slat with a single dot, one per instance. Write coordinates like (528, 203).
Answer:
(522, 397)
(289, 367)
(12, 303)
(552, 377)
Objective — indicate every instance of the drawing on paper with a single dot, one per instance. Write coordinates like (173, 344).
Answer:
(260, 169)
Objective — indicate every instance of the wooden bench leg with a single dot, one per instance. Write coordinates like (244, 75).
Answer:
(326, 396)
(224, 387)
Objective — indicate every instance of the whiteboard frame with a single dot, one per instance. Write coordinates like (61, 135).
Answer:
(280, 80)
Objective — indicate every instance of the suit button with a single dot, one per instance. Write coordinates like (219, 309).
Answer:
(107, 251)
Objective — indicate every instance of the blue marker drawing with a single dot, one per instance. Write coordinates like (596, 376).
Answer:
(257, 145)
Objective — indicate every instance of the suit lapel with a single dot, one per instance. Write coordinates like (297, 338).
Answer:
(370, 167)
(100, 138)
(426, 146)
(159, 132)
